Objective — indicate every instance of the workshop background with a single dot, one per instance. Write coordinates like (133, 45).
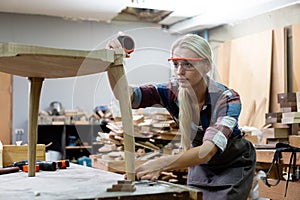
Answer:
(53, 25)
(256, 46)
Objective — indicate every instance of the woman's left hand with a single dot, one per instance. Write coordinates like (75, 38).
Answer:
(149, 171)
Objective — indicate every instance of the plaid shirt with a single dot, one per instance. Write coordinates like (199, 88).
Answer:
(218, 117)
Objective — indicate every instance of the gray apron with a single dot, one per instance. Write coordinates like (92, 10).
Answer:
(228, 175)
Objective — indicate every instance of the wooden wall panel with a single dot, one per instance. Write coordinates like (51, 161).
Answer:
(5, 108)
(223, 62)
(296, 57)
(279, 67)
(250, 75)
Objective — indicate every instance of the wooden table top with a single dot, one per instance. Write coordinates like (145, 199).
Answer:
(79, 182)
(266, 156)
(45, 62)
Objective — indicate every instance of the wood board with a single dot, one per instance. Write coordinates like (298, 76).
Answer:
(250, 75)
(223, 62)
(117, 166)
(279, 67)
(6, 108)
(296, 57)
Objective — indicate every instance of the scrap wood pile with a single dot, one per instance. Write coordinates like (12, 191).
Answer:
(156, 134)
(282, 125)
(157, 125)
(155, 131)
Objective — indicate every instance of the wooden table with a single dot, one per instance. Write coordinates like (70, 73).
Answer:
(38, 63)
(79, 182)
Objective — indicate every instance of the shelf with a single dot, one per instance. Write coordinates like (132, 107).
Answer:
(82, 136)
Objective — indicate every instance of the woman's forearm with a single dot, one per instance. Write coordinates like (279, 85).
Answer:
(194, 156)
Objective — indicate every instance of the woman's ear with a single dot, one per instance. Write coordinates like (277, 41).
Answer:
(206, 67)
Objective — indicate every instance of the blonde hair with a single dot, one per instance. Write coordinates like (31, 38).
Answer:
(185, 97)
(185, 118)
(195, 43)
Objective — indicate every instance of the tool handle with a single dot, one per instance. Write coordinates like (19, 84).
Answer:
(8, 170)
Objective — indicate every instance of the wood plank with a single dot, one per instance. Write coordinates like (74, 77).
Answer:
(223, 62)
(279, 67)
(296, 57)
(117, 166)
(121, 90)
(6, 108)
(250, 74)
(44, 62)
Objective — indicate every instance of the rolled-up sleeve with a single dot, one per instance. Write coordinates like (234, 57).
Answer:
(226, 115)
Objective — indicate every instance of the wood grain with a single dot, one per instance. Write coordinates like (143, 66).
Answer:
(6, 108)
(44, 62)
(223, 62)
(296, 57)
(250, 74)
(279, 67)
(121, 90)
(38, 63)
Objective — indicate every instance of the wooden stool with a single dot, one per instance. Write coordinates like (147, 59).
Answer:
(38, 63)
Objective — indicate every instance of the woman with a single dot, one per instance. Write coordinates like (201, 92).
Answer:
(221, 163)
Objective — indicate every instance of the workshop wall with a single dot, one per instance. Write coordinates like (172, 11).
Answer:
(147, 64)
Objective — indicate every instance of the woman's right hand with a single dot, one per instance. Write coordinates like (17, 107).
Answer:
(114, 43)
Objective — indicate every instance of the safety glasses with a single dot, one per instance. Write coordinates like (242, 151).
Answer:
(186, 63)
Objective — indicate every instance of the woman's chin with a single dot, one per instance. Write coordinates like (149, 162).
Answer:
(184, 84)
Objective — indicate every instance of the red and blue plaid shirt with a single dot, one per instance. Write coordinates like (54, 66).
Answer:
(218, 117)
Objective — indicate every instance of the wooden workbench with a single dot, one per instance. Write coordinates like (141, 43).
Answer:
(79, 182)
(266, 156)
(264, 159)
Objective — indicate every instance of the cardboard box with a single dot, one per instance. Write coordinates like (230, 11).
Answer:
(14, 153)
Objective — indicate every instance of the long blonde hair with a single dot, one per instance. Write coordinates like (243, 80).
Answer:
(185, 96)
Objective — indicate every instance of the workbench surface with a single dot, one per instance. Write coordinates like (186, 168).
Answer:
(79, 182)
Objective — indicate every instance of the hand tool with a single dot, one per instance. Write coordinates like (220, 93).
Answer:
(8, 170)
(25, 168)
(42, 165)
(63, 164)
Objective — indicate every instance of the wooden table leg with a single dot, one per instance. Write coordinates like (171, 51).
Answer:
(34, 103)
(122, 91)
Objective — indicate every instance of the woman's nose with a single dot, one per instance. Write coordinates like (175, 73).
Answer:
(180, 69)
